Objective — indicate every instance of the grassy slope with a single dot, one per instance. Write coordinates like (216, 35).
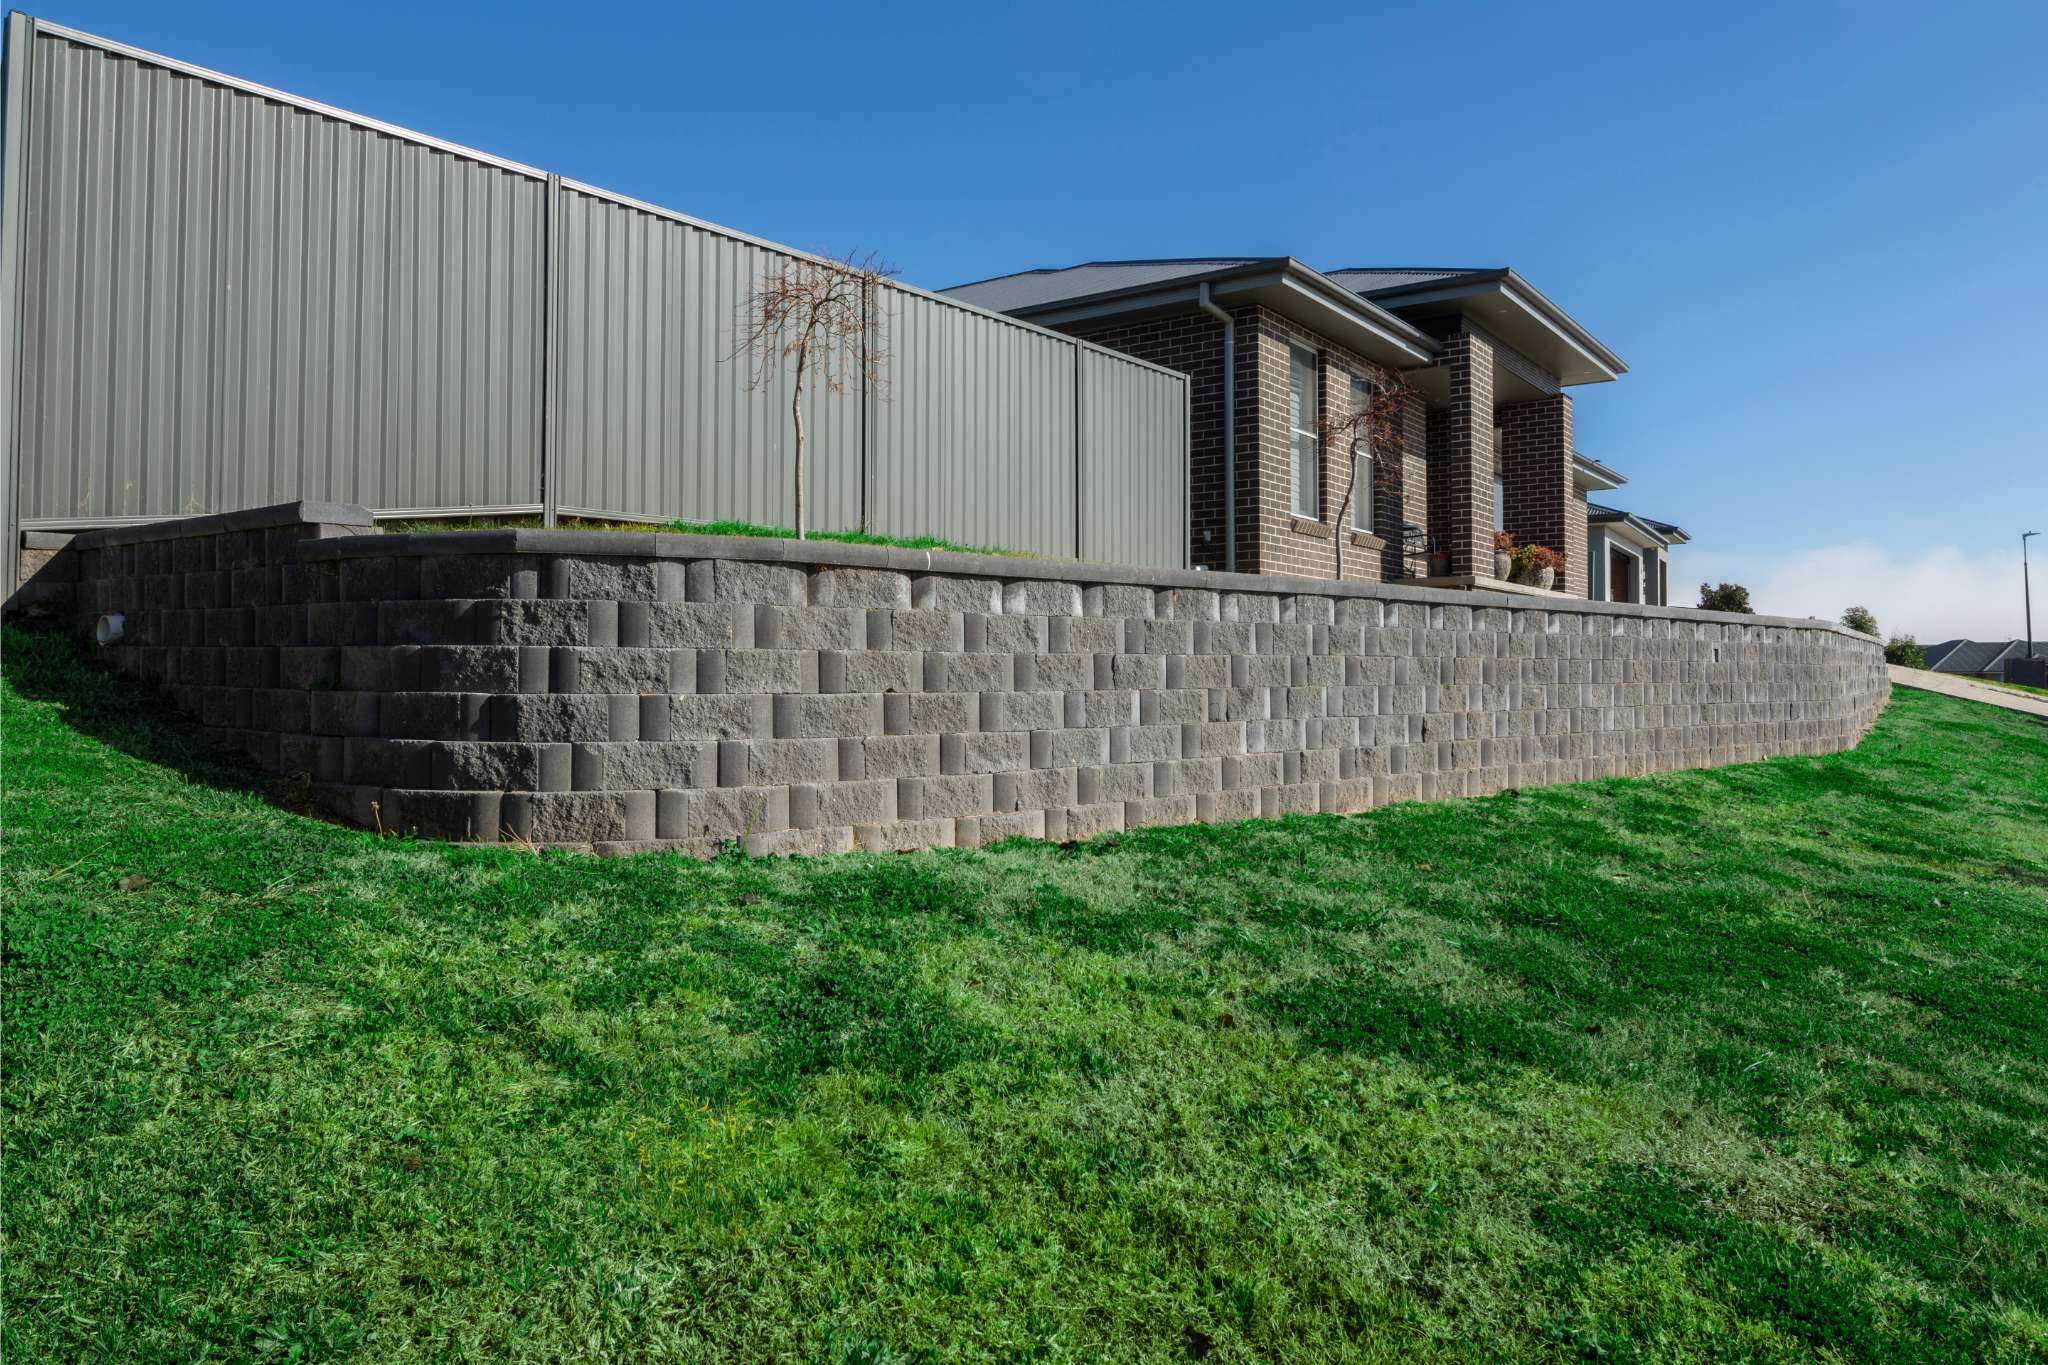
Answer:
(1739, 1064)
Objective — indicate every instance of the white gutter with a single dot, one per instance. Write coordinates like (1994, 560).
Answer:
(1208, 306)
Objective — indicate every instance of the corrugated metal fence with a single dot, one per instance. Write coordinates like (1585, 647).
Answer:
(216, 295)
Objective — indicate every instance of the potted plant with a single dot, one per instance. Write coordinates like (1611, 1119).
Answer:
(1522, 564)
(1503, 553)
(1549, 565)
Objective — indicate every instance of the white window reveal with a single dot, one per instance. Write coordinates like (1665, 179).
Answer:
(1302, 418)
(1361, 458)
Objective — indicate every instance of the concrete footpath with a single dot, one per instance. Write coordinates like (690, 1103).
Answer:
(1969, 688)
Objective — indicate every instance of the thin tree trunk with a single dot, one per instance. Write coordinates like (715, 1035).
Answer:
(796, 412)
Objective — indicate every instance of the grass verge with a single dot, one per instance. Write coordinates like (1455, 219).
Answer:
(697, 528)
(1741, 1064)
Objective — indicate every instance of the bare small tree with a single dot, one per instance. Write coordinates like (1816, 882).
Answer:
(1376, 429)
(820, 314)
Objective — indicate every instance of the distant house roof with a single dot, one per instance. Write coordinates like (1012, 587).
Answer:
(1663, 531)
(1936, 653)
(1979, 656)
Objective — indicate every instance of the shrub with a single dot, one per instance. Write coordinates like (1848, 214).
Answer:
(1725, 597)
(1859, 618)
(1904, 651)
(1547, 558)
(1504, 542)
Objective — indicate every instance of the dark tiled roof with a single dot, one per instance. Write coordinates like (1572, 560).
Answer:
(1031, 288)
(1370, 280)
(1980, 656)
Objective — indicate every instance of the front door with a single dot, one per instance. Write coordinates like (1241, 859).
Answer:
(1621, 572)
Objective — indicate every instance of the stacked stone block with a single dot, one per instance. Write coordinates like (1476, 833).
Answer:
(627, 692)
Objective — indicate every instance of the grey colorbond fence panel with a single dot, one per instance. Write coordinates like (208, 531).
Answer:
(231, 301)
(974, 436)
(656, 415)
(227, 296)
(1134, 464)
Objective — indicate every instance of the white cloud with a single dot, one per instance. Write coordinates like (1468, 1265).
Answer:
(1936, 593)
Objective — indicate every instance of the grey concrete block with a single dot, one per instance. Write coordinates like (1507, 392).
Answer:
(737, 580)
(868, 671)
(767, 670)
(1034, 790)
(1041, 597)
(945, 593)
(821, 628)
(387, 762)
(344, 713)
(860, 588)
(547, 622)
(421, 715)
(439, 621)
(943, 631)
(1001, 711)
(930, 713)
(899, 756)
(949, 672)
(1069, 748)
(1214, 808)
(831, 804)
(1159, 810)
(463, 765)
(984, 753)
(551, 719)
(828, 717)
(469, 668)
(720, 717)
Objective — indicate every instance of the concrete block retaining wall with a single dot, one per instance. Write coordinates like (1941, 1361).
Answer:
(634, 691)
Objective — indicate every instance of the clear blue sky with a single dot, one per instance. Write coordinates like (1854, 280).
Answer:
(1816, 233)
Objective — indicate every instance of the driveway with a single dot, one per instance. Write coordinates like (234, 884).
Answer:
(1953, 686)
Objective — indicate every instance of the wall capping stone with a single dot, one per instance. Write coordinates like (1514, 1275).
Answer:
(833, 554)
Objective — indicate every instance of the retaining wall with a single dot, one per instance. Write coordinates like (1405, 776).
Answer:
(631, 691)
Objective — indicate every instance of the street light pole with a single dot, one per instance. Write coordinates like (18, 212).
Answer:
(2027, 587)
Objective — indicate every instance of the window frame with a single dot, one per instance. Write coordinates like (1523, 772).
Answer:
(1362, 480)
(1304, 403)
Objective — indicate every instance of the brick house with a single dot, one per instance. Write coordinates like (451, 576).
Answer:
(1477, 362)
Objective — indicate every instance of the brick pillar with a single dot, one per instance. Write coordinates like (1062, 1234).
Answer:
(1461, 456)
(1404, 487)
(1536, 465)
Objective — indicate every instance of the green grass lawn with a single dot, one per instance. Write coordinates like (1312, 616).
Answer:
(694, 528)
(1749, 1064)
(2014, 687)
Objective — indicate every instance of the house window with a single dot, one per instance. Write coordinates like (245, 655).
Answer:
(1361, 459)
(1302, 416)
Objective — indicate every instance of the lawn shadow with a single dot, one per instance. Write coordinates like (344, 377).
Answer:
(44, 662)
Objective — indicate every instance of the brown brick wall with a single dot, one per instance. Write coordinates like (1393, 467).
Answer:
(1461, 456)
(1271, 539)
(1536, 466)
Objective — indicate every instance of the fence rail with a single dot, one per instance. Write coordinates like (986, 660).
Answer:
(216, 295)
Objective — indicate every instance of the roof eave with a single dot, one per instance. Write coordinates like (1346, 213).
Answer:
(1398, 342)
(1604, 363)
